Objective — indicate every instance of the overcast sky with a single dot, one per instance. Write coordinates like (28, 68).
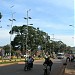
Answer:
(51, 16)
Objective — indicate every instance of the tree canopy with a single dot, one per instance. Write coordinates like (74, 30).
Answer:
(34, 38)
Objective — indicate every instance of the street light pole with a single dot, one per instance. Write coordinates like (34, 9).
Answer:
(27, 27)
(27, 32)
(11, 29)
(53, 41)
(53, 44)
(74, 31)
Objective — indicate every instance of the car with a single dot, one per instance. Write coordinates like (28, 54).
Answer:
(70, 56)
(23, 56)
(60, 55)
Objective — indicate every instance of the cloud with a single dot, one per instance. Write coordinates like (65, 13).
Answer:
(46, 24)
(5, 36)
(66, 39)
(5, 32)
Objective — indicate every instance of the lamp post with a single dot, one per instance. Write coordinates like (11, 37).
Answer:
(74, 31)
(12, 19)
(53, 41)
(53, 44)
(27, 18)
(45, 39)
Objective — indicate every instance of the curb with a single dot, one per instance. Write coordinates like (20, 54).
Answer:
(7, 64)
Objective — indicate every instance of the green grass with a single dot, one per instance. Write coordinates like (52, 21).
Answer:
(7, 62)
(12, 61)
(15, 60)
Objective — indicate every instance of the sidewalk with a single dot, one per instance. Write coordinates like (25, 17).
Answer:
(70, 68)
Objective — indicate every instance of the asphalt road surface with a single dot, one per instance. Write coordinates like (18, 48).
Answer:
(18, 69)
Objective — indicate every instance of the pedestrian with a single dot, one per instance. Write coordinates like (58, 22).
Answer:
(71, 58)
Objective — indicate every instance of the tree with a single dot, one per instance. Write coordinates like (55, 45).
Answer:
(35, 37)
(6, 48)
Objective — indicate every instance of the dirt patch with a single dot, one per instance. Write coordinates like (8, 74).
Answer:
(69, 72)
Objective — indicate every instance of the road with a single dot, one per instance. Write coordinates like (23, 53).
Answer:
(18, 69)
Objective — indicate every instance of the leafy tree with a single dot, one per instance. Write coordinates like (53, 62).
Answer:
(6, 48)
(35, 37)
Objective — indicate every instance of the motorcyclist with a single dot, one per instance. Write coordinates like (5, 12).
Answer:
(30, 61)
(48, 62)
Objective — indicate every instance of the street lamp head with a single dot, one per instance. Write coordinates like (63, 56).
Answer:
(10, 20)
(30, 24)
(29, 9)
(14, 19)
(25, 18)
(12, 6)
(70, 25)
(8, 25)
(29, 17)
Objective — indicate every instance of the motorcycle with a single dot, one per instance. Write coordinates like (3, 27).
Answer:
(27, 66)
(46, 69)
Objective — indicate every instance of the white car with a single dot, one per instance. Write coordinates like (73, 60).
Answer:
(60, 55)
(23, 56)
(26, 55)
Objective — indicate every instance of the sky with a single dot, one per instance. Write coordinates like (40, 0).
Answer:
(51, 16)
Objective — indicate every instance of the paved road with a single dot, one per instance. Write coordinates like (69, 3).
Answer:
(17, 69)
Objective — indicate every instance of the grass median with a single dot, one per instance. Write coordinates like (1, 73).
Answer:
(16, 60)
(7, 61)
